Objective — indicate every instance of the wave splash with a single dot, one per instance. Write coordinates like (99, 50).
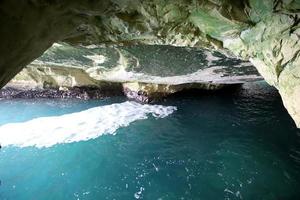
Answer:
(80, 126)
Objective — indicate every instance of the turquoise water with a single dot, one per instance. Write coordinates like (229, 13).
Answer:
(226, 145)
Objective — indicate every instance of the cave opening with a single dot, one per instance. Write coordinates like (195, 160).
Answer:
(149, 99)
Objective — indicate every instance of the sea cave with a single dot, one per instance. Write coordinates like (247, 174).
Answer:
(150, 99)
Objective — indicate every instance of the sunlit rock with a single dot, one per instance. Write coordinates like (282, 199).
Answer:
(147, 92)
(153, 70)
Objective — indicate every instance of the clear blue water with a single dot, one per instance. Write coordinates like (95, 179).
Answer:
(225, 145)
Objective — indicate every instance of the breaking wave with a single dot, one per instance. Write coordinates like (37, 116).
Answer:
(80, 126)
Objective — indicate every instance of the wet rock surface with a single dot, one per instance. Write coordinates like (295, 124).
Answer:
(149, 92)
(72, 93)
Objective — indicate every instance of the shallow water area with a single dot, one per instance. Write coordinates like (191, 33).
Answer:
(238, 144)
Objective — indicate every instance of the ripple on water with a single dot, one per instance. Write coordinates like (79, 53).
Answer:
(238, 145)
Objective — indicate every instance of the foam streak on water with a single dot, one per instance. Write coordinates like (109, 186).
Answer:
(80, 126)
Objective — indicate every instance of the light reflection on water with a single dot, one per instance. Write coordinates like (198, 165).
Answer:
(226, 145)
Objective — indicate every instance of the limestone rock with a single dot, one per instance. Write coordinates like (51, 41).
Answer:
(66, 66)
(266, 32)
(147, 92)
(152, 70)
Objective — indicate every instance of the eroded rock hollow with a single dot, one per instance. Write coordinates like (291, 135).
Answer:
(266, 33)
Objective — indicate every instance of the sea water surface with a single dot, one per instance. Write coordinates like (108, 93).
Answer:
(237, 144)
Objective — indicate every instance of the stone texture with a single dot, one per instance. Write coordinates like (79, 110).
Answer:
(266, 32)
(66, 66)
(148, 92)
(62, 93)
(146, 72)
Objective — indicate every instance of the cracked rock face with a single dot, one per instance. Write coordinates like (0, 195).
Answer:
(266, 32)
(145, 71)
(142, 63)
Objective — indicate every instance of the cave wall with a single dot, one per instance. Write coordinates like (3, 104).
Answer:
(266, 32)
(64, 65)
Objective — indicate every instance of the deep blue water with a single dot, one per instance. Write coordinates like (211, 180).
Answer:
(226, 145)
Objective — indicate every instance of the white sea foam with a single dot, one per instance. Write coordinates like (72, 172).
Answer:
(80, 126)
